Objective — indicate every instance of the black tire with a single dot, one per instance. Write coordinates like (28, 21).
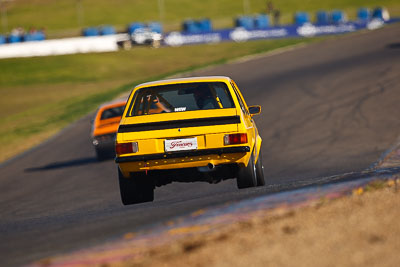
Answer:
(100, 155)
(136, 189)
(247, 176)
(260, 170)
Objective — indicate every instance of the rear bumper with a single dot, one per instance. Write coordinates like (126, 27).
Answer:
(106, 146)
(182, 154)
(104, 142)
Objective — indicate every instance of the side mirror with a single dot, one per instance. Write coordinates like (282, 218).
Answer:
(254, 110)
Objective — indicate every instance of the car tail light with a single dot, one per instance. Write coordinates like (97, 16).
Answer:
(233, 139)
(126, 148)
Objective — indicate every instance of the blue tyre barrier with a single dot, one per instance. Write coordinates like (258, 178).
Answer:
(90, 31)
(190, 26)
(338, 16)
(35, 36)
(301, 17)
(40, 36)
(204, 25)
(245, 22)
(14, 38)
(107, 30)
(197, 26)
(380, 13)
(322, 17)
(3, 39)
(261, 21)
(363, 13)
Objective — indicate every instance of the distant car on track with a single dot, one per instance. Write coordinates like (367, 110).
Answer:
(105, 126)
(186, 130)
(142, 36)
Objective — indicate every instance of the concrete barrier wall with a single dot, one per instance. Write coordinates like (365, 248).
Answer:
(64, 46)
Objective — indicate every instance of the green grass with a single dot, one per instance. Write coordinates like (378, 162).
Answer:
(61, 17)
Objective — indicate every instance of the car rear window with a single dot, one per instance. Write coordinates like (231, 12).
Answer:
(112, 113)
(180, 98)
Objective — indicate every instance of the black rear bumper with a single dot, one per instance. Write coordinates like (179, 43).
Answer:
(182, 154)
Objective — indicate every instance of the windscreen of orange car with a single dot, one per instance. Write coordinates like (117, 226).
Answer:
(107, 120)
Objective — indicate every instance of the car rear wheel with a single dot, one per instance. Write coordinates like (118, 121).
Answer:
(247, 176)
(260, 171)
(136, 189)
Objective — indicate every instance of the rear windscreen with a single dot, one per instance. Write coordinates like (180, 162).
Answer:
(112, 113)
(180, 98)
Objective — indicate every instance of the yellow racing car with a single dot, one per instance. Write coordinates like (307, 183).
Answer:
(186, 130)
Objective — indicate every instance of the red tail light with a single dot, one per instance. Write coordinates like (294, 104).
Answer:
(233, 139)
(126, 148)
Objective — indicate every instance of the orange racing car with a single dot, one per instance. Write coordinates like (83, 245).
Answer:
(105, 126)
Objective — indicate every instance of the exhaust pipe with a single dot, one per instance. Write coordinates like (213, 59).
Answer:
(209, 168)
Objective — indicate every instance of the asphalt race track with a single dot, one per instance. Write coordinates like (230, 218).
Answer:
(329, 108)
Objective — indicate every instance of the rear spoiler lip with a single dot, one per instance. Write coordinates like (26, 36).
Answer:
(177, 124)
